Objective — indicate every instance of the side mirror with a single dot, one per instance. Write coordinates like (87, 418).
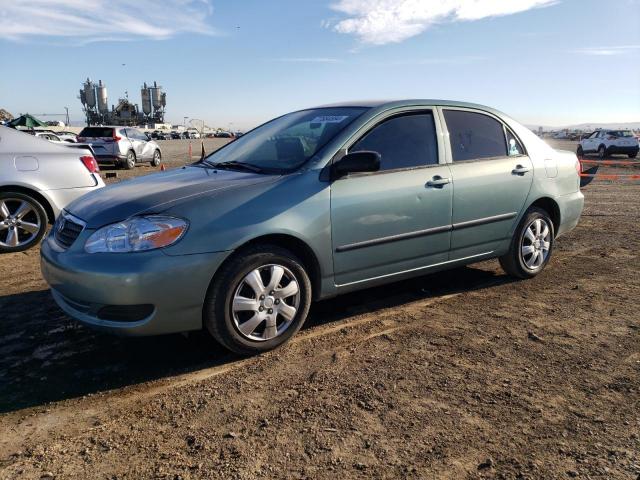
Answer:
(356, 162)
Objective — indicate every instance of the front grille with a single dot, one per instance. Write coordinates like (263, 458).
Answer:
(67, 231)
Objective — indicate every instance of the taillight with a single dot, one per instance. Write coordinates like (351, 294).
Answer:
(116, 138)
(90, 163)
(81, 139)
(578, 166)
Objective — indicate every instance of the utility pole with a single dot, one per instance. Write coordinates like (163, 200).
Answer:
(67, 116)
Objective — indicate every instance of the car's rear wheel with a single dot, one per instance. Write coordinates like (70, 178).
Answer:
(531, 246)
(259, 299)
(157, 157)
(602, 152)
(23, 222)
(130, 161)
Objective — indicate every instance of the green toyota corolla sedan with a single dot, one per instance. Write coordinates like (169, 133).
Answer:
(310, 205)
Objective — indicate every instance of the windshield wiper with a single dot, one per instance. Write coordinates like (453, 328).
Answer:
(234, 164)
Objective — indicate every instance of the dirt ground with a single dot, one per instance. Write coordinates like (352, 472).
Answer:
(464, 374)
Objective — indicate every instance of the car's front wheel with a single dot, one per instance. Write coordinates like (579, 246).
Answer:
(602, 152)
(258, 300)
(23, 222)
(580, 152)
(531, 245)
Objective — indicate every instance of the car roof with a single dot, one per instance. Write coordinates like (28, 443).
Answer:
(407, 103)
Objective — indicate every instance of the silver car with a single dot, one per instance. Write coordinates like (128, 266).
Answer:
(37, 180)
(122, 146)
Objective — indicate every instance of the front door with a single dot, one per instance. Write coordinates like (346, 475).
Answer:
(397, 219)
(492, 176)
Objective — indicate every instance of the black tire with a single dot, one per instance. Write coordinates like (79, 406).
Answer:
(513, 262)
(633, 155)
(580, 152)
(602, 152)
(36, 215)
(217, 313)
(130, 161)
(156, 159)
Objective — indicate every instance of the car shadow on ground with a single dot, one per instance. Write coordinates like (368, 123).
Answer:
(45, 356)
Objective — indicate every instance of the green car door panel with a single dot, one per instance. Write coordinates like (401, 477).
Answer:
(389, 222)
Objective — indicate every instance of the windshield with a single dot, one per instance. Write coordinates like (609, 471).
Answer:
(284, 144)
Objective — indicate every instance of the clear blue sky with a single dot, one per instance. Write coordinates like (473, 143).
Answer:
(245, 61)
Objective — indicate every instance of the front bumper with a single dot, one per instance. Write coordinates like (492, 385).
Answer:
(174, 287)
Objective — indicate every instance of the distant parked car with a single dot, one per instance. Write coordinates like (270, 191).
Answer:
(609, 142)
(223, 134)
(52, 137)
(122, 146)
(37, 180)
(163, 136)
(175, 135)
(68, 136)
(313, 204)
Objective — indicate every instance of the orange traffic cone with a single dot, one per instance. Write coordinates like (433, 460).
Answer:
(162, 167)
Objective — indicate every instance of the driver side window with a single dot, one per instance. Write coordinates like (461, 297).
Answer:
(403, 142)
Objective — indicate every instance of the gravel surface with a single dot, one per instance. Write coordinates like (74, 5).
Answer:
(463, 374)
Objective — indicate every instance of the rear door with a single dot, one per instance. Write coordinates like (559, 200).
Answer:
(395, 220)
(492, 176)
(143, 149)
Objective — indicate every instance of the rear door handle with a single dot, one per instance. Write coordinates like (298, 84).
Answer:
(520, 170)
(438, 182)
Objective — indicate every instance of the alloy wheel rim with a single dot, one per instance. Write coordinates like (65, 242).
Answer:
(265, 302)
(20, 223)
(536, 244)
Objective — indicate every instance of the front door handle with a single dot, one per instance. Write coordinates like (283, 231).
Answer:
(438, 182)
(520, 170)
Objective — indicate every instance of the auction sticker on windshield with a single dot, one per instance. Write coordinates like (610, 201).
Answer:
(329, 119)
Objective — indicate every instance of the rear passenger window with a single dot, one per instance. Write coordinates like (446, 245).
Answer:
(402, 142)
(474, 135)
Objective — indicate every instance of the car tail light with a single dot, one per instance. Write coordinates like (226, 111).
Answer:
(90, 163)
(81, 139)
(578, 166)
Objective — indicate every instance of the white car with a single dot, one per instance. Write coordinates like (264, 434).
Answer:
(55, 136)
(38, 178)
(608, 142)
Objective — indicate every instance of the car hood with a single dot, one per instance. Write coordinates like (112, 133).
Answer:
(157, 192)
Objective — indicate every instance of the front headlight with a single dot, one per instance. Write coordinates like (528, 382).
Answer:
(137, 234)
